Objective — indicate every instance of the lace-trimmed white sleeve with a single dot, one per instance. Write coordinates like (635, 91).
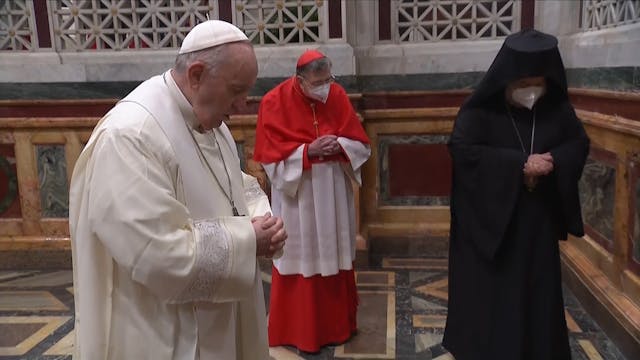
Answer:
(212, 263)
(252, 190)
(257, 200)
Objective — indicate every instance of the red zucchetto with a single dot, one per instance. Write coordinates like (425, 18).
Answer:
(309, 56)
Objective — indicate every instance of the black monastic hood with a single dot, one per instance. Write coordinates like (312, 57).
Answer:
(523, 54)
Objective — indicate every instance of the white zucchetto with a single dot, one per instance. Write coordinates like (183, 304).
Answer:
(211, 33)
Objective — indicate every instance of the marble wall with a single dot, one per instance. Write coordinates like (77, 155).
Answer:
(9, 197)
(603, 265)
(610, 78)
(634, 226)
(412, 176)
(597, 191)
(52, 179)
(624, 78)
(606, 59)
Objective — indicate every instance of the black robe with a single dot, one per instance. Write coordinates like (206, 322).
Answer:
(505, 293)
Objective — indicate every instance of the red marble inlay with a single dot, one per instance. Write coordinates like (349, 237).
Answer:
(625, 105)
(634, 216)
(527, 15)
(384, 20)
(402, 100)
(253, 104)
(42, 24)
(604, 156)
(9, 196)
(56, 109)
(621, 104)
(335, 19)
(419, 170)
(225, 11)
(610, 103)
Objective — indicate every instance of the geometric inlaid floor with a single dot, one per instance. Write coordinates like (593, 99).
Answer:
(36, 314)
(401, 316)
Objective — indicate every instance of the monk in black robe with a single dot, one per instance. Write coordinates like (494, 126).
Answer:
(518, 150)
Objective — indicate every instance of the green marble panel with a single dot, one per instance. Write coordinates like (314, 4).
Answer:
(636, 227)
(625, 78)
(418, 82)
(615, 78)
(52, 177)
(64, 90)
(597, 192)
(9, 204)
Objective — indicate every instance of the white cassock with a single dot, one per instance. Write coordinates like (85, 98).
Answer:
(162, 270)
(318, 208)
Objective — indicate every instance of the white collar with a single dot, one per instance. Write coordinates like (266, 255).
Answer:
(183, 104)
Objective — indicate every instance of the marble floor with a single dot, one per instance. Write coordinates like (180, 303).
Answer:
(401, 316)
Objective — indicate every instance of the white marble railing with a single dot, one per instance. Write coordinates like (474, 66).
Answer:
(130, 40)
(106, 25)
(80, 25)
(282, 22)
(17, 26)
(431, 21)
(89, 25)
(602, 14)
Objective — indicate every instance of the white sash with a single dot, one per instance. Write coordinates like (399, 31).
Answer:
(156, 98)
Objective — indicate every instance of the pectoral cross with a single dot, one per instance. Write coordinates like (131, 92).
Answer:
(234, 209)
(315, 124)
(530, 183)
(315, 120)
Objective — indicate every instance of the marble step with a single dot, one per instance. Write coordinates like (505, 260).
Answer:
(420, 246)
(35, 252)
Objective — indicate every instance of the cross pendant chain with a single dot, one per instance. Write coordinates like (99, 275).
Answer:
(315, 120)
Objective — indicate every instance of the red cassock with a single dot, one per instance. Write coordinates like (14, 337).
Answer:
(286, 120)
(307, 312)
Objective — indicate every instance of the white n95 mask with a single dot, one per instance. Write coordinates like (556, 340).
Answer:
(320, 93)
(527, 96)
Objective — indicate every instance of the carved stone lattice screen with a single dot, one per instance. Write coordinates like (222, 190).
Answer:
(125, 24)
(438, 20)
(602, 14)
(279, 22)
(17, 26)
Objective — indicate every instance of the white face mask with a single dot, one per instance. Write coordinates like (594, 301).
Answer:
(527, 96)
(320, 93)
